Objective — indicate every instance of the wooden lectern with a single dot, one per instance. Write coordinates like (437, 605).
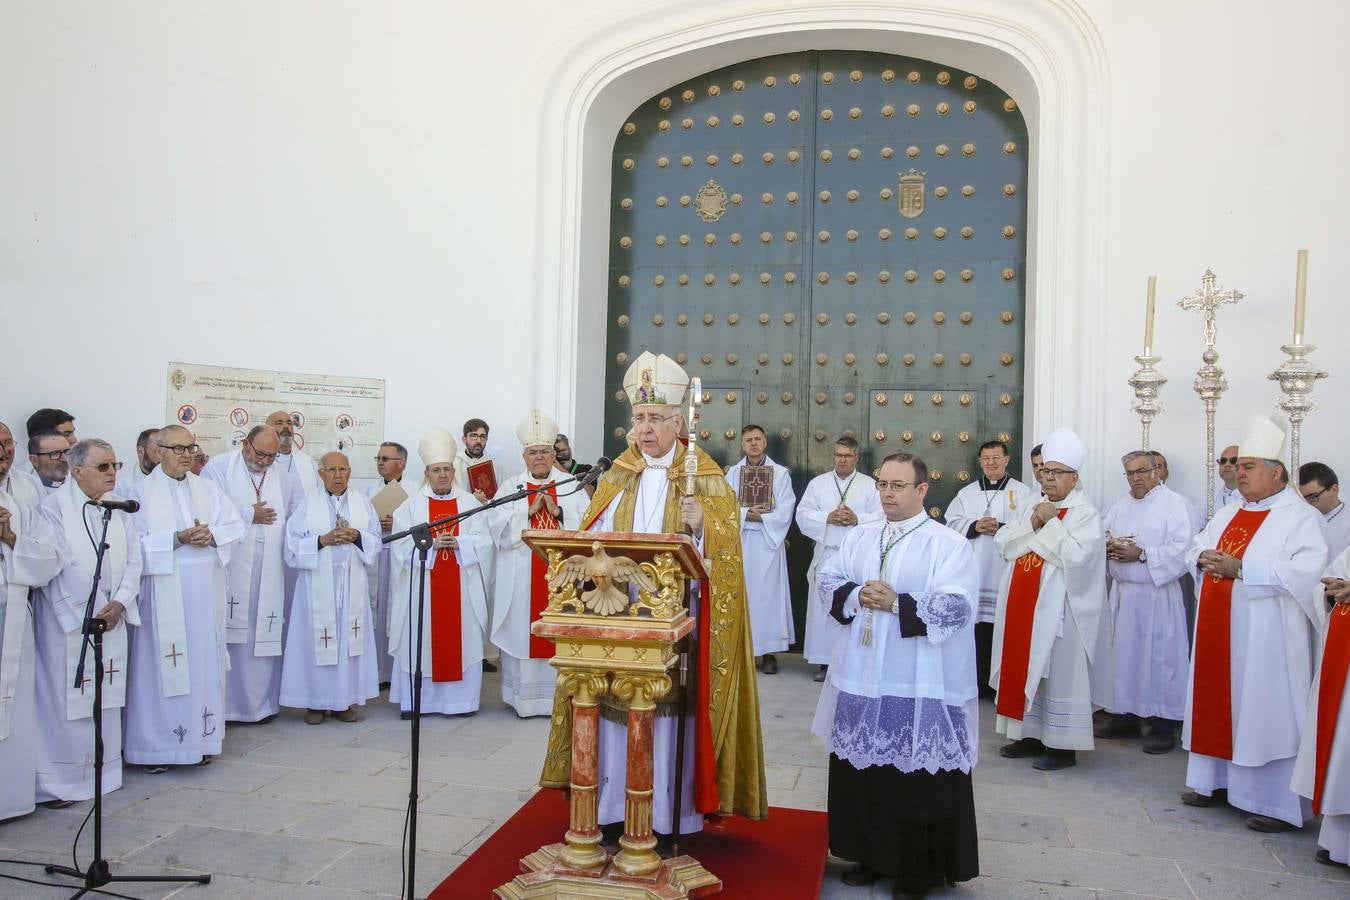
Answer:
(606, 642)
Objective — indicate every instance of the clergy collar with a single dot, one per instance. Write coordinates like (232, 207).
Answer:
(399, 480)
(1156, 488)
(336, 496)
(987, 485)
(1340, 508)
(1264, 502)
(763, 461)
(912, 521)
(51, 484)
(661, 462)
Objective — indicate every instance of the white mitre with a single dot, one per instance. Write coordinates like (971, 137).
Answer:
(655, 381)
(1065, 448)
(438, 446)
(537, 430)
(1262, 438)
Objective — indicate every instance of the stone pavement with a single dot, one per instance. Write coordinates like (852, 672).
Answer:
(297, 811)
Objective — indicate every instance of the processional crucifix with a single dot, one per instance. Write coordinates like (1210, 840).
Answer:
(1209, 381)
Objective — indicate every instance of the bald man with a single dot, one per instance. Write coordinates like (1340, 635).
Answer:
(302, 475)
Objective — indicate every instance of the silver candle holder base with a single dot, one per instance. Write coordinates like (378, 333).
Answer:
(1297, 377)
(1147, 384)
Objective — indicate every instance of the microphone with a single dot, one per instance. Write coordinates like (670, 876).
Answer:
(126, 506)
(601, 467)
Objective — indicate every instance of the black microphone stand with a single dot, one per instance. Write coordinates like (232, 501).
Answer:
(422, 539)
(99, 872)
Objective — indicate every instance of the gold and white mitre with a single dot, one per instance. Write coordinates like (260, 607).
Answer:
(654, 380)
(537, 430)
(1263, 438)
(437, 447)
(1065, 447)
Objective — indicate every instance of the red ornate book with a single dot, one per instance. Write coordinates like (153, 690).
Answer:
(483, 477)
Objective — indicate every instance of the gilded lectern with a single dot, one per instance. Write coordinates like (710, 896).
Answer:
(611, 639)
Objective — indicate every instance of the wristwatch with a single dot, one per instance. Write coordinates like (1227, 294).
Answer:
(1143, 555)
(895, 606)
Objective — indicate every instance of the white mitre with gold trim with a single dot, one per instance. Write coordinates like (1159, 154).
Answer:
(654, 380)
(1263, 438)
(537, 430)
(437, 447)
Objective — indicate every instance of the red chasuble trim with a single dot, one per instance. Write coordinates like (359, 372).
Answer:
(1212, 689)
(1023, 592)
(447, 636)
(540, 648)
(1335, 666)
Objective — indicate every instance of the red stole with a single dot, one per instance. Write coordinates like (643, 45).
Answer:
(540, 648)
(1023, 592)
(447, 636)
(1212, 687)
(1331, 688)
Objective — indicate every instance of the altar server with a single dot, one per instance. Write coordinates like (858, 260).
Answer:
(1252, 665)
(899, 712)
(332, 540)
(764, 528)
(455, 609)
(65, 771)
(832, 504)
(256, 606)
(1052, 635)
(177, 656)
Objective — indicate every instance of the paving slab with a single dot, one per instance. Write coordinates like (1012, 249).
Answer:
(268, 857)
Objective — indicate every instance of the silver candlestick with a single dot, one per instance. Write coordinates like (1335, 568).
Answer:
(1297, 377)
(1147, 384)
(1209, 381)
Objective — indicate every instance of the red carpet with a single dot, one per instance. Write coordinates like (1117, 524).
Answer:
(781, 857)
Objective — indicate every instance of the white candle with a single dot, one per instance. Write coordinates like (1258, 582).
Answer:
(1148, 318)
(1300, 295)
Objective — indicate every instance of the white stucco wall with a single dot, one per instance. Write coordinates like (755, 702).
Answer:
(354, 188)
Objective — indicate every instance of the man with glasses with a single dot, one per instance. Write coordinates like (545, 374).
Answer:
(45, 420)
(66, 729)
(22, 486)
(832, 505)
(333, 539)
(47, 452)
(1261, 606)
(1148, 535)
(1318, 484)
(390, 462)
(1052, 632)
(522, 586)
(1228, 489)
(177, 656)
(764, 528)
(905, 589)
(645, 492)
(255, 611)
(455, 610)
(475, 451)
(978, 511)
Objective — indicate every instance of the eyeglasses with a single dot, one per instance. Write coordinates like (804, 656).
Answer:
(1312, 498)
(336, 470)
(539, 452)
(481, 435)
(440, 470)
(180, 449)
(380, 459)
(104, 467)
(53, 454)
(1056, 473)
(1138, 473)
(1227, 460)
(640, 420)
(894, 485)
(985, 460)
(7, 445)
(257, 452)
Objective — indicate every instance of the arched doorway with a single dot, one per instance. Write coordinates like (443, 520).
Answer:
(835, 242)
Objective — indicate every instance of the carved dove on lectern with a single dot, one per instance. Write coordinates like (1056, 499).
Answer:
(606, 573)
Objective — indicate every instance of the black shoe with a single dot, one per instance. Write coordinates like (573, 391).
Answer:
(610, 834)
(56, 804)
(1022, 749)
(406, 715)
(1324, 857)
(1197, 799)
(489, 666)
(821, 673)
(1267, 824)
(1124, 727)
(1054, 760)
(770, 664)
(1162, 738)
(859, 875)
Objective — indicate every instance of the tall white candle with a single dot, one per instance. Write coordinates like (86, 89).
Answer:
(1148, 317)
(1300, 295)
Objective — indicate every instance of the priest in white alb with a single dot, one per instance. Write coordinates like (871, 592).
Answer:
(455, 610)
(978, 511)
(1258, 617)
(833, 503)
(1322, 770)
(390, 462)
(177, 657)
(300, 470)
(522, 587)
(332, 541)
(1052, 632)
(29, 558)
(765, 521)
(65, 771)
(23, 487)
(1148, 534)
(255, 607)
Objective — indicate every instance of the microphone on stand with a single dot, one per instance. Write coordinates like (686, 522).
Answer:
(601, 467)
(126, 506)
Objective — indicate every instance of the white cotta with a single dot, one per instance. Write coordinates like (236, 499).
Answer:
(1336, 791)
(764, 555)
(23, 487)
(1072, 589)
(301, 476)
(937, 671)
(334, 562)
(1147, 604)
(1002, 501)
(1338, 529)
